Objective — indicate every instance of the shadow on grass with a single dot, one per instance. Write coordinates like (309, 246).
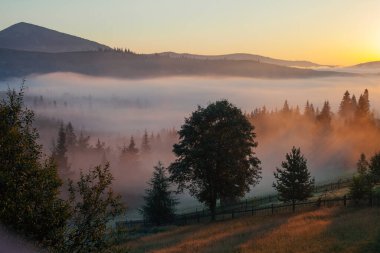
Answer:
(355, 230)
(222, 236)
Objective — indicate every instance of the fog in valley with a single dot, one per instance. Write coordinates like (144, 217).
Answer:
(114, 110)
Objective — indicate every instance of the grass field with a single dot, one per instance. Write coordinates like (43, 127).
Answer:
(324, 230)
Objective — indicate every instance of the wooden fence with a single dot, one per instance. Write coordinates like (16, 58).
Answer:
(200, 217)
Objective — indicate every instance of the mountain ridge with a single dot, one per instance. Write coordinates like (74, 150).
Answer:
(29, 37)
(119, 64)
(249, 57)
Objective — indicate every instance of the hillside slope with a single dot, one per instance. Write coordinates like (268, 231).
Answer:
(29, 37)
(15, 63)
(247, 57)
(326, 230)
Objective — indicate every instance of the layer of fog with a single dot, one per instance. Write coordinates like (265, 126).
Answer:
(114, 110)
(11, 243)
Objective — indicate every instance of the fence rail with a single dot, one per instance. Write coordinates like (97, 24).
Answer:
(199, 217)
(269, 199)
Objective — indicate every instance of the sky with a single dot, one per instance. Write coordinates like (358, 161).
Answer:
(335, 32)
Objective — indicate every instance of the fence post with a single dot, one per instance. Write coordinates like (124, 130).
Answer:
(232, 214)
(272, 209)
(252, 210)
(246, 204)
(345, 200)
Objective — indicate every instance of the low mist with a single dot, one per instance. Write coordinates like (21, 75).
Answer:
(114, 110)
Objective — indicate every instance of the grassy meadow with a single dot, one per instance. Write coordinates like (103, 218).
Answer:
(335, 229)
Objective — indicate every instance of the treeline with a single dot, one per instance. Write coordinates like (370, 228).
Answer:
(130, 157)
(350, 111)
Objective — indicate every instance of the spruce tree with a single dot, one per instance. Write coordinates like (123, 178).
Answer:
(345, 107)
(132, 150)
(286, 108)
(362, 165)
(363, 107)
(83, 142)
(71, 138)
(374, 167)
(159, 207)
(362, 183)
(325, 115)
(293, 181)
(145, 146)
(59, 153)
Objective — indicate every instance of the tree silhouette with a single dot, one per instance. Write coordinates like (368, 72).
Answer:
(293, 181)
(362, 182)
(362, 165)
(145, 146)
(363, 107)
(309, 111)
(93, 205)
(374, 167)
(215, 158)
(346, 108)
(59, 153)
(325, 115)
(286, 108)
(159, 207)
(71, 138)
(29, 184)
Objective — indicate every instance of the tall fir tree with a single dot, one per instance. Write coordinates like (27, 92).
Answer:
(132, 149)
(345, 107)
(286, 109)
(293, 181)
(362, 165)
(159, 207)
(83, 143)
(362, 183)
(325, 115)
(71, 138)
(145, 145)
(374, 167)
(59, 154)
(363, 107)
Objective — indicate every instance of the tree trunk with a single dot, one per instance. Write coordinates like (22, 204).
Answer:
(212, 209)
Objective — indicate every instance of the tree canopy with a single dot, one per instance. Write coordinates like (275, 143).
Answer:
(29, 183)
(215, 157)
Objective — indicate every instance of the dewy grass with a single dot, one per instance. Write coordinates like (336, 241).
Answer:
(324, 230)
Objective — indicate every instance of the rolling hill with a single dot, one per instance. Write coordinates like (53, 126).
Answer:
(14, 63)
(372, 64)
(248, 57)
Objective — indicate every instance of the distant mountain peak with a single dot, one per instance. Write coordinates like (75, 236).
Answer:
(29, 37)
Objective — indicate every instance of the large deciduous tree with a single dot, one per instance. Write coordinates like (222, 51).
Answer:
(294, 182)
(215, 158)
